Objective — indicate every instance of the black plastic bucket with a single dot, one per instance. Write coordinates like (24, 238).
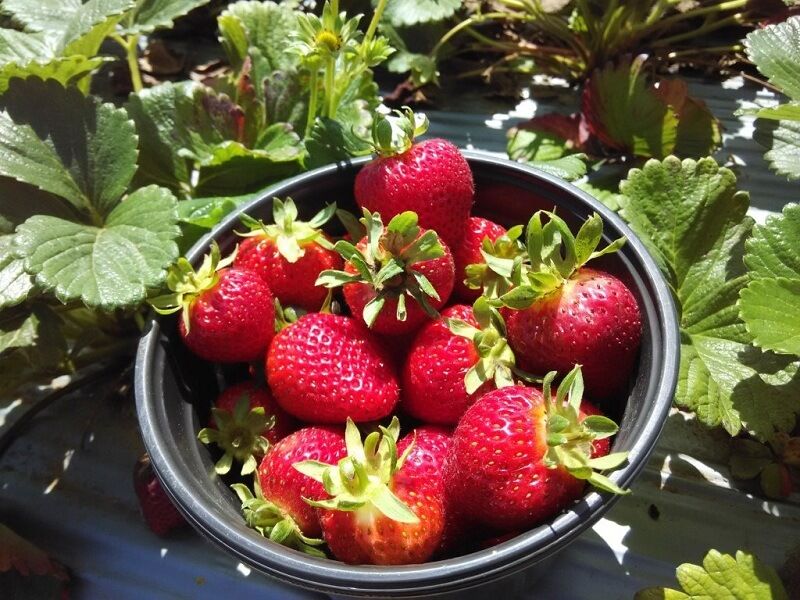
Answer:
(174, 390)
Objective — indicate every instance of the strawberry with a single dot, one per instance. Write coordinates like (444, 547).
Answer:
(454, 361)
(227, 314)
(383, 508)
(521, 456)
(468, 253)
(289, 254)
(389, 264)
(277, 509)
(245, 420)
(431, 178)
(158, 511)
(567, 314)
(324, 368)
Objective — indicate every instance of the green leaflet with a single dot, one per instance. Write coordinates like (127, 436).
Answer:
(149, 15)
(266, 26)
(78, 149)
(721, 577)
(770, 304)
(691, 217)
(775, 50)
(403, 13)
(15, 283)
(626, 114)
(106, 267)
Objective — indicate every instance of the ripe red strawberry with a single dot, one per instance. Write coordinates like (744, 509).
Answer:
(469, 253)
(569, 314)
(383, 509)
(454, 361)
(431, 178)
(227, 314)
(245, 421)
(290, 254)
(518, 459)
(277, 509)
(158, 511)
(324, 368)
(390, 264)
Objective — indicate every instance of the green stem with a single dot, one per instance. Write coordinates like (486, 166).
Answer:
(373, 25)
(712, 26)
(707, 49)
(312, 100)
(664, 24)
(330, 84)
(131, 47)
(475, 20)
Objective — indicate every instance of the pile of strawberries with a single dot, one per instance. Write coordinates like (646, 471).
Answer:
(451, 321)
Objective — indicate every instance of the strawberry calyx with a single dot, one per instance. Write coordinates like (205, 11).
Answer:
(239, 434)
(290, 235)
(570, 438)
(386, 264)
(268, 519)
(554, 255)
(362, 480)
(497, 361)
(187, 284)
(503, 263)
(394, 134)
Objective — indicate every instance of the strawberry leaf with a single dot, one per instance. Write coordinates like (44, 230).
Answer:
(148, 15)
(79, 150)
(775, 50)
(626, 114)
(70, 70)
(403, 13)
(722, 576)
(693, 220)
(108, 266)
(782, 142)
(207, 212)
(265, 26)
(544, 144)
(15, 283)
(770, 304)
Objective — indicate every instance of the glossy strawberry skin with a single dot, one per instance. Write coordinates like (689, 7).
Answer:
(495, 471)
(157, 509)
(593, 320)
(371, 538)
(469, 253)
(291, 283)
(433, 375)
(258, 396)
(324, 368)
(284, 485)
(432, 179)
(232, 322)
(439, 271)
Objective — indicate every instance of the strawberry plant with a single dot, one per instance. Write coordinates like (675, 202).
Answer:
(622, 117)
(96, 201)
(571, 38)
